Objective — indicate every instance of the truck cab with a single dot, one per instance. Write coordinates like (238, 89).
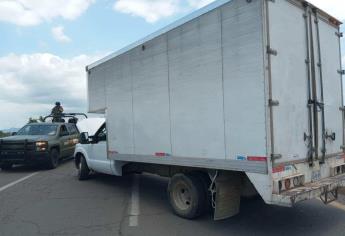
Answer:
(91, 153)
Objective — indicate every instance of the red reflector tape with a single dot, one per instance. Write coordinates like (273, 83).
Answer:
(161, 154)
(256, 158)
(278, 169)
(113, 152)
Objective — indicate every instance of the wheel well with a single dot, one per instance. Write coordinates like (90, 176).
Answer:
(56, 148)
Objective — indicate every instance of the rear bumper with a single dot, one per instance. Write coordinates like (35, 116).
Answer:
(323, 187)
(21, 157)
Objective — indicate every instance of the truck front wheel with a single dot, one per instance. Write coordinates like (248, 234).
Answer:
(187, 196)
(83, 169)
(53, 161)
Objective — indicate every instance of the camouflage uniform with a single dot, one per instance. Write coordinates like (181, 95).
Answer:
(57, 113)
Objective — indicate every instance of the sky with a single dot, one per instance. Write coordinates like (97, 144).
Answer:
(45, 46)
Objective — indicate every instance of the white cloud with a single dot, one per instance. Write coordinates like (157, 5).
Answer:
(34, 12)
(59, 34)
(199, 3)
(150, 10)
(154, 10)
(335, 8)
(30, 85)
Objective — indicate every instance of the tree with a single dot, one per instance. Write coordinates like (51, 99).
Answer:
(32, 120)
(2, 134)
(36, 120)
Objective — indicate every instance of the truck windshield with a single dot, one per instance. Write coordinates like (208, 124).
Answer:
(38, 130)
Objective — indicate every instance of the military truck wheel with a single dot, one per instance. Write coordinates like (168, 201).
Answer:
(53, 161)
(6, 166)
(187, 196)
(83, 169)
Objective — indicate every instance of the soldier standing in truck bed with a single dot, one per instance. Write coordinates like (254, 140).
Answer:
(57, 112)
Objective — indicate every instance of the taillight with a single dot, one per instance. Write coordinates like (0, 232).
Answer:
(337, 170)
(290, 182)
(287, 184)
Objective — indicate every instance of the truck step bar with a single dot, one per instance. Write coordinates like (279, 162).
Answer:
(325, 189)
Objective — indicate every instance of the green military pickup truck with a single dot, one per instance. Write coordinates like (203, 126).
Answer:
(39, 143)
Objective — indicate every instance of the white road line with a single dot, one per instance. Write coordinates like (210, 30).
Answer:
(17, 181)
(134, 210)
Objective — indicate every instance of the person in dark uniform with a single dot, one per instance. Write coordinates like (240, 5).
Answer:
(57, 112)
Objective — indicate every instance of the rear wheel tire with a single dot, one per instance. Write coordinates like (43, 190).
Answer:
(83, 169)
(6, 166)
(53, 159)
(187, 196)
(206, 182)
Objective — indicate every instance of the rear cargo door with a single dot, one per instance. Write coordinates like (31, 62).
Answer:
(287, 49)
(306, 90)
(329, 84)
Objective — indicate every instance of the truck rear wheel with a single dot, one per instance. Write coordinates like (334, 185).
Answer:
(186, 195)
(83, 169)
(53, 161)
(206, 182)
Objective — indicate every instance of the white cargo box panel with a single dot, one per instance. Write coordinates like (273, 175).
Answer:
(198, 92)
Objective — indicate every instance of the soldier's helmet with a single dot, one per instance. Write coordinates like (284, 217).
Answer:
(58, 104)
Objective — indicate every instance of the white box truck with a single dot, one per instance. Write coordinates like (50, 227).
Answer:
(241, 95)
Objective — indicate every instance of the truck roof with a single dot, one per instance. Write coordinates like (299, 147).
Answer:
(186, 19)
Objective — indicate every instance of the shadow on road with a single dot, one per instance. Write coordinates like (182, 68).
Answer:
(34, 168)
(255, 218)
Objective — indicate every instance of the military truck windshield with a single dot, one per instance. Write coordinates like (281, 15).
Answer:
(38, 130)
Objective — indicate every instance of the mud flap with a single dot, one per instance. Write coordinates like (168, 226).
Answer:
(228, 195)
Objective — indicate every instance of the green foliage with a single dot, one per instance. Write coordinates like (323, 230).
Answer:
(34, 120)
(3, 135)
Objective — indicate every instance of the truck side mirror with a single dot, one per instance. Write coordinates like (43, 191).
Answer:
(94, 139)
(84, 138)
(13, 133)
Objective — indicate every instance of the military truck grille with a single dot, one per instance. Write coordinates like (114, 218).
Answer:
(17, 146)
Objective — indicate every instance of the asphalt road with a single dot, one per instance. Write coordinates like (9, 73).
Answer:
(39, 202)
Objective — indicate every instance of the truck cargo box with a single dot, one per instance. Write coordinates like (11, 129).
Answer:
(252, 86)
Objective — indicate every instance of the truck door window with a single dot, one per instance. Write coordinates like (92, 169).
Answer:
(72, 129)
(102, 134)
(63, 131)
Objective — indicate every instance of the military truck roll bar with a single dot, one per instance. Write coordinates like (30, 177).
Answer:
(66, 115)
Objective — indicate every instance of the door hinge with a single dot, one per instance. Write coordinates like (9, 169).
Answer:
(342, 72)
(342, 109)
(271, 51)
(276, 156)
(342, 147)
(339, 34)
(272, 103)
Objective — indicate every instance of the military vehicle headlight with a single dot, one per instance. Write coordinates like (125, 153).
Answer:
(41, 146)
